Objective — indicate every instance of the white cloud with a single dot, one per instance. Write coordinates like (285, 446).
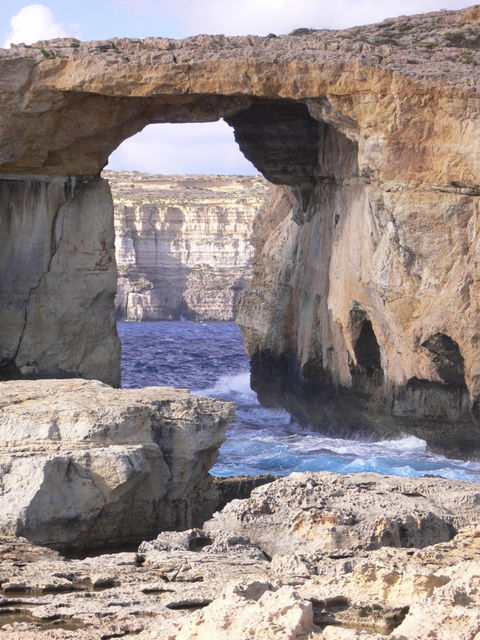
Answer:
(37, 22)
(207, 147)
(232, 17)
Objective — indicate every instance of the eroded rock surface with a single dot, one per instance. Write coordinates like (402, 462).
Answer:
(199, 585)
(323, 512)
(354, 323)
(183, 243)
(83, 465)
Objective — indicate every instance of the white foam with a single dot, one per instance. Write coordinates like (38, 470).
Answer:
(231, 383)
(404, 444)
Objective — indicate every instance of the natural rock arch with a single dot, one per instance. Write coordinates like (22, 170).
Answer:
(52, 194)
(381, 174)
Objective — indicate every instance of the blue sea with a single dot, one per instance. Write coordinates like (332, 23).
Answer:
(208, 358)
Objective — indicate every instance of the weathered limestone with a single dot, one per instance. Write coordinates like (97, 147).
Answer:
(252, 611)
(356, 325)
(183, 243)
(195, 585)
(322, 512)
(83, 465)
(368, 318)
(58, 279)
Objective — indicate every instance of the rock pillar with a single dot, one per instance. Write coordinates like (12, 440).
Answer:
(57, 279)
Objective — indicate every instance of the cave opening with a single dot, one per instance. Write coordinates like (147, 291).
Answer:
(365, 347)
(367, 351)
(447, 359)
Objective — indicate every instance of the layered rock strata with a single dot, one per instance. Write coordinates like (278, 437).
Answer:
(183, 243)
(83, 465)
(222, 585)
(369, 312)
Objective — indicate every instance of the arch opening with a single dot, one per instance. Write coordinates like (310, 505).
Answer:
(367, 351)
(368, 366)
(182, 148)
(279, 136)
(446, 399)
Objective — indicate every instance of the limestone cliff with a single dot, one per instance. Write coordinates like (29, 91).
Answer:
(182, 243)
(371, 317)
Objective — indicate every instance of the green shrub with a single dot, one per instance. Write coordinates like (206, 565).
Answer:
(47, 54)
(302, 31)
(454, 38)
(467, 57)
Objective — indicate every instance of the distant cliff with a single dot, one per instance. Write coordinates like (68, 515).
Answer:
(183, 243)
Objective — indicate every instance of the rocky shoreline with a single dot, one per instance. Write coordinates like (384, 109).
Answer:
(311, 556)
(89, 476)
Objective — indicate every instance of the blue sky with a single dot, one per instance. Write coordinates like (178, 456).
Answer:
(198, 148)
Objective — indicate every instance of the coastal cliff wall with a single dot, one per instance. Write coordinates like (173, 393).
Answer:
(183, 243)
(371, 315)
(362, 318)
(58, 279)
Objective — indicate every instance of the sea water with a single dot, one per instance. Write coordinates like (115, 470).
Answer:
(208, 358)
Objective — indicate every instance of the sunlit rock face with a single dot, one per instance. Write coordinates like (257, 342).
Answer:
(183, 243)
(363, 315)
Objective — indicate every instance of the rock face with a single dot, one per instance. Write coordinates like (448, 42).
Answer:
(183, 243)
(348, 343)
(57, 280)
(220, 585)
(83, 465)
(367, 317)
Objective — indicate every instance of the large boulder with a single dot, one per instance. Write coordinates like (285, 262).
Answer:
(85, 465)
